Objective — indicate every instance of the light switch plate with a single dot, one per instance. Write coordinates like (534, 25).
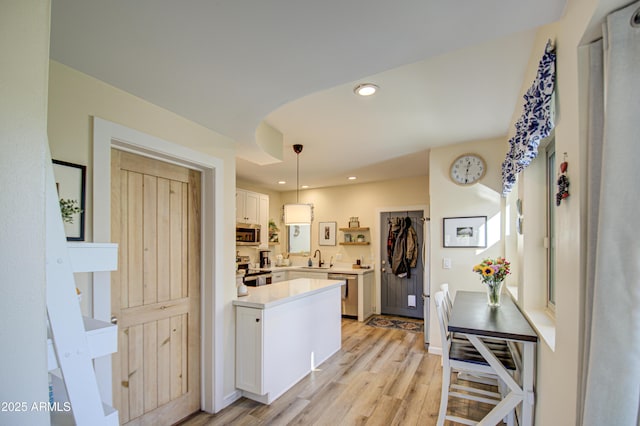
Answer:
(446, 263)
(412, 301)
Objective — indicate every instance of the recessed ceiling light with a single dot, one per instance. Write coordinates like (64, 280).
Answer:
(365, 89)
(282, 182)
(352, 178)
(304, 186)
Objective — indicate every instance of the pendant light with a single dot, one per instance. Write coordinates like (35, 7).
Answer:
(297, 214)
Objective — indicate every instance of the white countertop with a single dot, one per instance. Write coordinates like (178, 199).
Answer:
(271, 295)
(336, 269)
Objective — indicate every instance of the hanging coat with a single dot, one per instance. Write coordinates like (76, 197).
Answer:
(405, 251)
(394, 229)
(412, 246)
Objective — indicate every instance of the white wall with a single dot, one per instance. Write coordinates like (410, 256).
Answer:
(451, 200)
(339, 203)
(366, 201)
(74, 98)
(24, 43)
(558, 377)
(559, 368)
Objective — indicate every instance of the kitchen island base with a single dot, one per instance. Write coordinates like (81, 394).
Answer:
(283, 332)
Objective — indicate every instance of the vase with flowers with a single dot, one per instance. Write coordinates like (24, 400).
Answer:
(492, 273)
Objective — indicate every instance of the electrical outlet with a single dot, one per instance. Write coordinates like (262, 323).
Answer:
(446, 263)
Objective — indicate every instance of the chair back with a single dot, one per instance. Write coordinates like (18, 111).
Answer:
(443, 321)
(447, 297)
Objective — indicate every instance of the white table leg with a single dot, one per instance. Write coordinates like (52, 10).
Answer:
(528, 374)
(515, 395)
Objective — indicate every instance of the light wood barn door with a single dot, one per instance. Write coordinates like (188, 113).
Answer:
(155, 294)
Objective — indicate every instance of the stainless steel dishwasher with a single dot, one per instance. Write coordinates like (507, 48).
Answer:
(349, 294)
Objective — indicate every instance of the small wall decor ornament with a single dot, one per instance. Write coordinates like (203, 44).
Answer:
(563, 182)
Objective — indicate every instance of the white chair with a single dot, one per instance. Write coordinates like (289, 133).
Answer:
(447, 297)
(461, 358)
(496, 346)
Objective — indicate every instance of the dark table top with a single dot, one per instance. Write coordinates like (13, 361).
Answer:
(472, 315)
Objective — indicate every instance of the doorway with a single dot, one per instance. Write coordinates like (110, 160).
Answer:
(155, 219)
(401, 286)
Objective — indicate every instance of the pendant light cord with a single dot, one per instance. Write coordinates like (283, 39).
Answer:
(298, 178)
(297, 148)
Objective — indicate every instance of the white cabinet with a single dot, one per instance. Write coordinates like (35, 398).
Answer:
(247, 206)
(253, 208)
(366, 283)
(366, 300)
(279, 276)
(249, 353)
(308, 274)
(241, 200)
(263, 220)
(279, 344)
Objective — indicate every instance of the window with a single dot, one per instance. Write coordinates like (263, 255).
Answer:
(551, 224)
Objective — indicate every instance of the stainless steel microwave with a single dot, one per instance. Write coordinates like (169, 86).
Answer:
(247, 234)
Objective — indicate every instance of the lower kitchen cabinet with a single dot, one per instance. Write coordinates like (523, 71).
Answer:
(249, 353)
(366, 301)
(366, 285)
(278, 342)
(308, 274)
(279, 276)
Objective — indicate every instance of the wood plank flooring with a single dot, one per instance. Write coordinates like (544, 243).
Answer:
(379, 377)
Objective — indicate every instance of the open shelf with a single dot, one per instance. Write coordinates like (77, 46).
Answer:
(102, 338)
(93, 257)
(355, 243)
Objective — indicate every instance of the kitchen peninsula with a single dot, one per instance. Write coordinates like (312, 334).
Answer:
(283, 331)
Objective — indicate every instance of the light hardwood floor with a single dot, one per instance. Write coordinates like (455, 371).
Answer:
(379, 377)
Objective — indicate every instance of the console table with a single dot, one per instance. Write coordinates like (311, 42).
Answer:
(472, 317)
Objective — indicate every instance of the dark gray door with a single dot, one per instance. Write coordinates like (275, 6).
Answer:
(402, 295)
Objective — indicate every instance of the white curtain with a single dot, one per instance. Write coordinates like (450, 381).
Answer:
(611, 376)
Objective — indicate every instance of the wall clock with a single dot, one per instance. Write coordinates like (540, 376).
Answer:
(467, 169)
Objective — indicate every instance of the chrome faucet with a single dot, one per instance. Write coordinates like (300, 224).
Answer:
(320, 262)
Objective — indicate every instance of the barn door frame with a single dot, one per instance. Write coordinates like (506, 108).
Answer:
(107, 135)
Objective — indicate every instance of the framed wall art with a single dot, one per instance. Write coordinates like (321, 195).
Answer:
(327, 233)
(71, 183)
(465, 232)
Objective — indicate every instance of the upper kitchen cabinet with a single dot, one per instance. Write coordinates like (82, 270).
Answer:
(247, 206)
(263, 219)
(253, 208)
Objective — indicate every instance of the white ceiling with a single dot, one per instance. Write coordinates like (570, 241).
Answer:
(449, 71)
